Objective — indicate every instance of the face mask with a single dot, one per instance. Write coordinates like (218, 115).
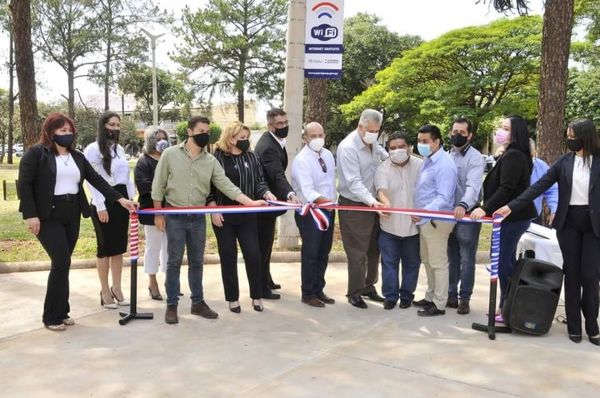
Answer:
(113, 134)
(424, 149)
(399, 156)
(458, 140)
(243, 145)
(316, 144)
(370, 138)
(64, 140)
(501, 136)
(161, 145)
(282, 132)
(575, 145)
(201, 139)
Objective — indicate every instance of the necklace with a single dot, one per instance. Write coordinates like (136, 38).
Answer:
(62, 158)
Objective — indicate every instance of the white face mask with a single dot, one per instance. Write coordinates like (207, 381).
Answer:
(370, 138)
(316, 144)
(399, 155)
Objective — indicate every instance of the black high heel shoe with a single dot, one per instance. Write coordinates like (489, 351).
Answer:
(575, 338)
(237, 309)
(257, 307)
(595, 340)
(158, 296)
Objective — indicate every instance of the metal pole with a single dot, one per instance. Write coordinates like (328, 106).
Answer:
(153, 39)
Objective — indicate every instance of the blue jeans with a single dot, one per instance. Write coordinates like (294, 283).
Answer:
(185, 231)
(316, 245)
(462, 250)
(510, 233)
(393, 250)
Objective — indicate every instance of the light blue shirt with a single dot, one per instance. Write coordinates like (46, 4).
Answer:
(436, 183)
(551, 195)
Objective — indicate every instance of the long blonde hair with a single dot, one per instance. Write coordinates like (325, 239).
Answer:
(230, 131)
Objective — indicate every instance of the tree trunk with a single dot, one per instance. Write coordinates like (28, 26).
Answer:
(108, 59)
(11, 93)
(317, 101)
(71, 86)
(21, 22)
(241, 104)
(556, 43)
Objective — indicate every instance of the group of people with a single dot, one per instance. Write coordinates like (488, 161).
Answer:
(364, 173)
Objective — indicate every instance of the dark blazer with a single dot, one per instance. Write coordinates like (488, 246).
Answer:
(509, 178)
(143, 176)
(274, 160)
(562, 173)
(37, 178)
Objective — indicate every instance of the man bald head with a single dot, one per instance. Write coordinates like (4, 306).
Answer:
(314, 136)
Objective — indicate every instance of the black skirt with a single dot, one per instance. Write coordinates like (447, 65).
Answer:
(111, 237)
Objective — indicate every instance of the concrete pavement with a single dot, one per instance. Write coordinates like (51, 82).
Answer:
(289, 350)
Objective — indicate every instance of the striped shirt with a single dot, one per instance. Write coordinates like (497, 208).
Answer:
(244, 171)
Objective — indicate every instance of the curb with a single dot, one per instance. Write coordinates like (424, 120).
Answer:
(209, 259)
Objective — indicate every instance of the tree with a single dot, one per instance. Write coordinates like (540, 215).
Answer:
(480, 72)
(9, 124)
(21, 22)
(68, 32)
(235, 46)
(137, 80)
(583, 95)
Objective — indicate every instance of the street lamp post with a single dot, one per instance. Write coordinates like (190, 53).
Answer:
(153, 39)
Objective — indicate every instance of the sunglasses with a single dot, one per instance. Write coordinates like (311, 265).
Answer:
(323, 165)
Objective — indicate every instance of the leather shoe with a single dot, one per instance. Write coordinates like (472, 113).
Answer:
(313, 302)
(575, 338)
(404, 304)
(594, 339)
(171, 314)
(203, 310)
(325, 298)
(357, 301)
(422, 303)
(431, 311)
(373, 296)
(269, 295)
(274, 286)
(452, 302)
(389, 305)
(463, 307)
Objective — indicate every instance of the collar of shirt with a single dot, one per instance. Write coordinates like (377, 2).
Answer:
(360, 144)
(184, 148)
(281, 141)
(463, 151)
(435, 157)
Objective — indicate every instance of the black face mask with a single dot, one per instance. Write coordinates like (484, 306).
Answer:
(575, 144)
(64, 140)
(282, 132)
(458, 140)
(243, 145)
(113, 134)
(201, 139)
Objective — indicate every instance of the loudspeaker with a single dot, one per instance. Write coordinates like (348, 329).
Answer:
(533, 294)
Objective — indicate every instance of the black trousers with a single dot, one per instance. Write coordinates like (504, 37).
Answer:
(266, 236)
(581, 255)
(58, 236)
(240, 228)
(316, 245)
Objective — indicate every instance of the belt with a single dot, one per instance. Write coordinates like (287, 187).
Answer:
(68, 197)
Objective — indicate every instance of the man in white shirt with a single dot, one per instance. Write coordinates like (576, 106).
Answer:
(313, 180)
(358, 156)
(395, 181)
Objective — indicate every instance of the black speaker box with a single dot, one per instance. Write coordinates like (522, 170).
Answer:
(532, 297)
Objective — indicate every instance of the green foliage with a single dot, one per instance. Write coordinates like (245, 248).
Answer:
(583, 95)
(587, 14)
(479, 72)
(234, 46)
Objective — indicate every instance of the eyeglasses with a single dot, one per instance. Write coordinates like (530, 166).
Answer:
(323, 165)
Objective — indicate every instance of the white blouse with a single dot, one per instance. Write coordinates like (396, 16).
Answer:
(67, 175)
(581, 182)
(119, 172)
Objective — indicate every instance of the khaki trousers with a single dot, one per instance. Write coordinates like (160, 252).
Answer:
(434, 255)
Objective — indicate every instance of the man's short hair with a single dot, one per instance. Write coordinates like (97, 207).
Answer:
(398, 135)
(461, 120)
(433, 130)
(371, 115)
(194, 120)
(273, 113)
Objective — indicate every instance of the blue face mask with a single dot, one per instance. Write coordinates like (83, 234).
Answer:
(424, 149)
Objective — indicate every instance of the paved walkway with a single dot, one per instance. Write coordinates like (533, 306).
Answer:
(289, 350)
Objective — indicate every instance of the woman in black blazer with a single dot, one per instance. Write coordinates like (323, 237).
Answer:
(577, 222)
(509, 178)
(51, 176)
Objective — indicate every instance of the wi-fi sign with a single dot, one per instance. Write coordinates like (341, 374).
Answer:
(325, 9)
(324, 32)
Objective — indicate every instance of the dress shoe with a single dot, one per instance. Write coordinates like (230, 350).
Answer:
(325, 298)
(432, 310)
(274, 286)
(422, 303)
(257, 305)
(452, 302)
(203, 310)
(269, 295)
(237, 309)
(404, 303)
(575, 338)
(120, 301)
(156, 296)
(389, 305)
(463, 307)
(171, 314)
(105, 304)
(313, 302)
(357, 301)
(595, 339)
(56, 328)
(373, 296)
(68, 321)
